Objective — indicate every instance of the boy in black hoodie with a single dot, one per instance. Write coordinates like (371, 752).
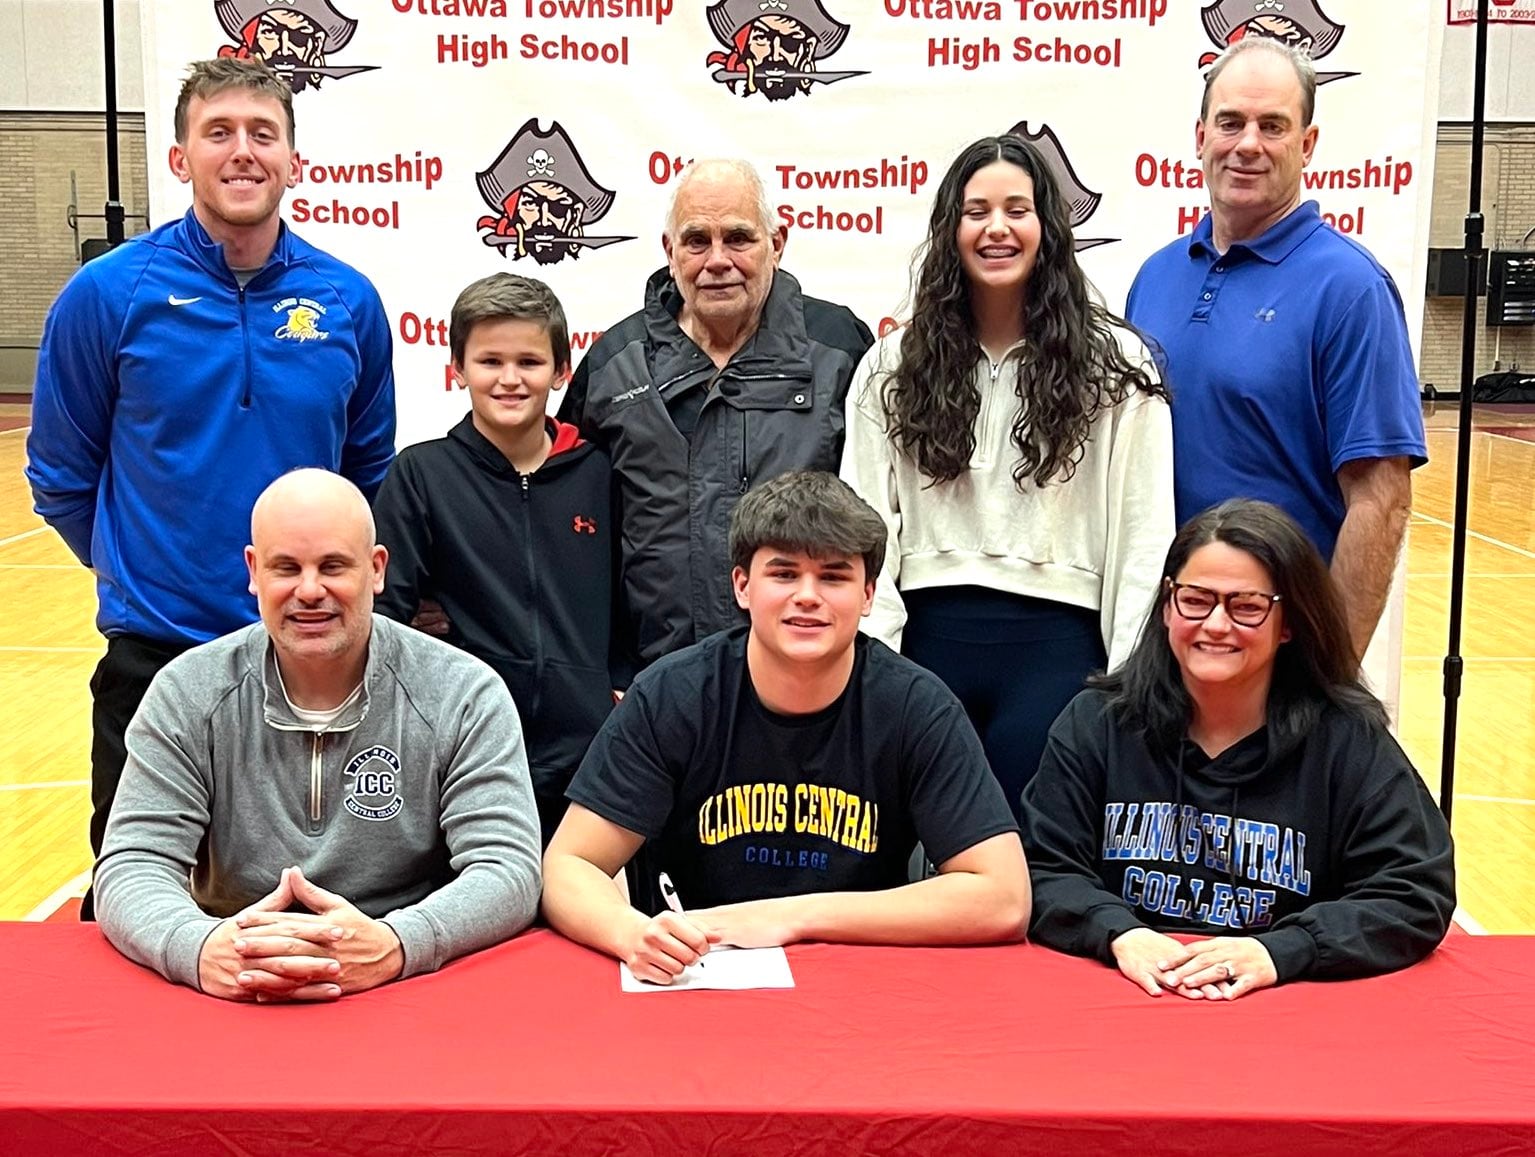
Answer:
(505, 524)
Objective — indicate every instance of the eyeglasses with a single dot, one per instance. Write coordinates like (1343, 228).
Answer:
(1245, 608)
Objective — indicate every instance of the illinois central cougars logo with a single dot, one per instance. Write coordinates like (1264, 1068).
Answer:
(773, 48)
(295, 38)
(303, 323)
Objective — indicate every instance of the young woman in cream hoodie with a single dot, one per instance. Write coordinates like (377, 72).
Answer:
(1017, 441)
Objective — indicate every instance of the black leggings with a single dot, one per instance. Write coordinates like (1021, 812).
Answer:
(1013, 661)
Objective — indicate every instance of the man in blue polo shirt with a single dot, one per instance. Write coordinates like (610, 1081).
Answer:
(1285, 342)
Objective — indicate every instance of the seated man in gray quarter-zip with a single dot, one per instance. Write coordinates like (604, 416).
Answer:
(326, 800)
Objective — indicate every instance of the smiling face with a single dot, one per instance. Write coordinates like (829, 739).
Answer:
(719, 253)
(1253, 144)
(1216, 654)
(314, 570)
(803, 609)
(998, 233)
(239, 160)
(509, 370)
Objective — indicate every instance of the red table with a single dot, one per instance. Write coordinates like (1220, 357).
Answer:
(531, 1047)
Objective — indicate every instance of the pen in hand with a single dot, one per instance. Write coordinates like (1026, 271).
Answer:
(669, 893)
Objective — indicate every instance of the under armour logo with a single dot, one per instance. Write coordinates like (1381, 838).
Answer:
(583, 525)
(1264, 315)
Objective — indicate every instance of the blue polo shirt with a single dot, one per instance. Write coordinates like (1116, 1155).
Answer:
(1286, 357)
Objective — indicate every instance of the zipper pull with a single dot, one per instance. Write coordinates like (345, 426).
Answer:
(524, 487)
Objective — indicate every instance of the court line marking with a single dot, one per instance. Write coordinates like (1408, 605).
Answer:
(25, 429)
(56, 898)
(1478, 432)
(1506, 438)
(1476, 534)
(36, 786)
(50, 650)
(1410, 574)
(77, 566)
(1496, 799)
(1469, 923)
(33, 533)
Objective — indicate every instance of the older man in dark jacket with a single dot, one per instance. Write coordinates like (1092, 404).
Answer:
(728, 377)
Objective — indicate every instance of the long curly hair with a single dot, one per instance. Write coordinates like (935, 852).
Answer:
(1073, 368)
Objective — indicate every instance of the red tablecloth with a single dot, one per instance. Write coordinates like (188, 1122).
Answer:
(531, 1047)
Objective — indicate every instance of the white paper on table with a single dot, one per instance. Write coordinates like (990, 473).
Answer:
(722, 968)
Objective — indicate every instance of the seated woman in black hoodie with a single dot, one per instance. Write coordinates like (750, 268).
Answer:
(1234, 781)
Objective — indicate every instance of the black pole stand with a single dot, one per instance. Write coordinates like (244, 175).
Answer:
(113, 210)
(1454, 665)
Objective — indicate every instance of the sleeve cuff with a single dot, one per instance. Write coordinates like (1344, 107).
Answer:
(184, 951)
(1112, 922)
(418, 942)
(1292, 950)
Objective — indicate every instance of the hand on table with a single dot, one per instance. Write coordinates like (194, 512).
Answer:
(294, 963)
(750, 924)
(659, 948)
(1224, 968)
(367, 950)
(1148, 958)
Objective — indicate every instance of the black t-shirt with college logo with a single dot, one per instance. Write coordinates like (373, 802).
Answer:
(741, 803)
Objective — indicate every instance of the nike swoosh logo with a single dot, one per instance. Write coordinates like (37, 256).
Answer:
(174, 300)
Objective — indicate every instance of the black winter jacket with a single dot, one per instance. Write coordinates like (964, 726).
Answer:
(776, 406)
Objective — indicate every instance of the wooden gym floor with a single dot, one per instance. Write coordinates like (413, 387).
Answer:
(49, 646)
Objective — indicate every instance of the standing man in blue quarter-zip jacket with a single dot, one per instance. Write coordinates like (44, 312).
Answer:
(184, 371)
(728, 377)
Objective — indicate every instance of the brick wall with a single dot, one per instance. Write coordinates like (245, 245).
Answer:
(1508, 204)
(38, 251)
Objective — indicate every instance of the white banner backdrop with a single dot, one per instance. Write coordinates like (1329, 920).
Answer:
(1498, 12)
(442, 140)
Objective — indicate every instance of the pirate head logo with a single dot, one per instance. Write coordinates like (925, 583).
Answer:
(1081, 202)
(1300, 24)
(774, 47)
(295, 38)
(543, 197)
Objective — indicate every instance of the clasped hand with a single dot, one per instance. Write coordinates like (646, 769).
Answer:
(1220, 968)
(266, 953)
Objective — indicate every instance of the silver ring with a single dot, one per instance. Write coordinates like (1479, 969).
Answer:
(1231, 973)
